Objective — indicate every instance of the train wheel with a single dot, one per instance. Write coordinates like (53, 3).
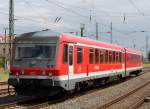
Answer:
(104, 81)
(9, 91)
(120, 77)
(77, 87)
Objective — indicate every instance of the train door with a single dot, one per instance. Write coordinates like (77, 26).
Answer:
(123, 63)
(70, 64)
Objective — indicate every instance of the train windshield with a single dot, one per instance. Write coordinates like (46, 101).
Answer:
(36, 51)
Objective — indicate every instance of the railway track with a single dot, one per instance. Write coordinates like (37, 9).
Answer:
(9, 105)
(122, 97)
(146, 69)
(16, 103)
(3, 83)
(5, 91)
(146, 98)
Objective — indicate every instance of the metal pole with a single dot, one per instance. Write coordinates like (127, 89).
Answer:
(81, 32)
(147, 47)
(82, 27)
(11, 25)
(5, 33)
(97, 31)
(5, 50)
(134, 45)
(111, 37)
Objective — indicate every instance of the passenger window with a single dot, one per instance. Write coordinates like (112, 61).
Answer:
(101, 56)
(96, 56)
(70, 55)
(114, 56)
(110, 56)
(91, 54)
(120, 57)
(106, 56)
(117, 57)
(65, 54)
(79, 55)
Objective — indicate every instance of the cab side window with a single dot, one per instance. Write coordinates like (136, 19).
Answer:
(101, 56)
(65, 54)
(106, 56)
(96, 56)
(91, 55)
(79, 55)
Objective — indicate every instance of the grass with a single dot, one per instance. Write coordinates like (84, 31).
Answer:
(1, 62)
(3, 75)
(147, 65)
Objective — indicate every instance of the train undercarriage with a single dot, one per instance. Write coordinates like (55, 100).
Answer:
(34, 87)
(46, 87)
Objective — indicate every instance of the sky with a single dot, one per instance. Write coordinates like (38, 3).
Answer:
(129, 18)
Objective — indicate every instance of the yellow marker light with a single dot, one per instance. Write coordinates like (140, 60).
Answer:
(22, 72)
(17, 74)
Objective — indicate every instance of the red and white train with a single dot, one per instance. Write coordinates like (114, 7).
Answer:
(47, 62)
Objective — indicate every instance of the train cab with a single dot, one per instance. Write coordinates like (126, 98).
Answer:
(34, 61)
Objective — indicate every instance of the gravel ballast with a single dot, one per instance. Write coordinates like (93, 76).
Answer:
(100, 97)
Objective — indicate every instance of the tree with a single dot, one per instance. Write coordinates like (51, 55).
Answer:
(2, 62)
(149, 56)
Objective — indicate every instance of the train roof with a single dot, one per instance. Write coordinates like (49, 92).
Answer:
(133, 51)
(74, 39)
(87, 41)
(37, 34)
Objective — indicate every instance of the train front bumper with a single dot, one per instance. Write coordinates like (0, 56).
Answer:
(31, 86)
(41, 81)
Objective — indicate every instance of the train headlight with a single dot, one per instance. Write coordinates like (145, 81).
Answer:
(50, 74)
(17, 74)
(22, 72)
(43, 72)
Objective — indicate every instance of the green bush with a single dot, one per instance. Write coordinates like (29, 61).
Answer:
(149, 56)
(2, 59)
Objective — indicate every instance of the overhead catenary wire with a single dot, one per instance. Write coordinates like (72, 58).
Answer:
(46, 20)
(78, 14)
(139, 10)
(37, 12)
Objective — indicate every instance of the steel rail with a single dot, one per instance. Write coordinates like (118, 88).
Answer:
(139, 103)
(123, 96)
(5, 91)
(15, 103)
(3, 83)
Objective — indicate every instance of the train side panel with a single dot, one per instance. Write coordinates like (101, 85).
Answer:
(133, 61)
